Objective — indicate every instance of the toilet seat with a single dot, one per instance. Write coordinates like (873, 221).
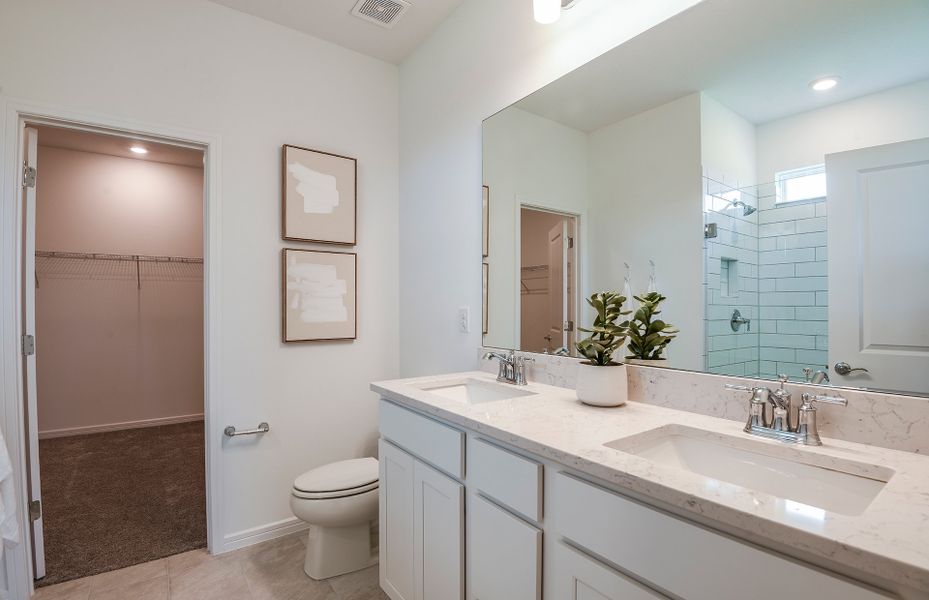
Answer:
(338, 480)
(336, 493)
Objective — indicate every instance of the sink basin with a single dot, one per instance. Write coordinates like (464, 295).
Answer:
(474, 391)
(838, 486)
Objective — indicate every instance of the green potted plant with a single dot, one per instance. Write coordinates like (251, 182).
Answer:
(648, 335)
(601, 380)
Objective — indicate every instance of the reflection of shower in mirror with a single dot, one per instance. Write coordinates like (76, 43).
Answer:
(747, 209)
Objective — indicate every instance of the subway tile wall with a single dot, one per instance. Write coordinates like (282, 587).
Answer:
(731, 279)
(792, 285)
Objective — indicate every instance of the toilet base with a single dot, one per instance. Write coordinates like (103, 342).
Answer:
(332, 551)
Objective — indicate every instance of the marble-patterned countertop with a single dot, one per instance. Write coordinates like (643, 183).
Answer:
(889, 540)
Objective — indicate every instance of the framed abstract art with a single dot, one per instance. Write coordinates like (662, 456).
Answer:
(320, 295)
(319, 196)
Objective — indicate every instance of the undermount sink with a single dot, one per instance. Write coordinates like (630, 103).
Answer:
(474, 391)
(838, 486)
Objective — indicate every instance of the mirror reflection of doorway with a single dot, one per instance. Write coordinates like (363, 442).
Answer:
(548, 267)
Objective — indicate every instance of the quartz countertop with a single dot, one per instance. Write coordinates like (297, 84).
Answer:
(889, 540)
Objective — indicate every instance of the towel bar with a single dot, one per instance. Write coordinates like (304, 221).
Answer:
(263, 427)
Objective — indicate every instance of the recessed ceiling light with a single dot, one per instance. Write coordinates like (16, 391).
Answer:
(546, 11)
(824, 83)
(138, 150)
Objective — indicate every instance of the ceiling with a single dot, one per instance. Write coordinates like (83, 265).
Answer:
(332, 20)
(755, 56)
(113, 145)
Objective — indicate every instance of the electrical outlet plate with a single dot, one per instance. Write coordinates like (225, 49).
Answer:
(464, 319)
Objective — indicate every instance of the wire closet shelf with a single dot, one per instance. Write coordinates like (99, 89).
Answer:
(97, 265)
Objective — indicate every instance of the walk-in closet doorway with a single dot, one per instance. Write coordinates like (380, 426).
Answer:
(115, 329)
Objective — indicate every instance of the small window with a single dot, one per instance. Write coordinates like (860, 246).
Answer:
(801, 185)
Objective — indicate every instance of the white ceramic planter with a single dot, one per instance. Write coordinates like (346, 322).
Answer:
(602, 385)
(660, 362)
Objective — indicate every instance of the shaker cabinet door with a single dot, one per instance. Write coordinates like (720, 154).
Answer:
(396, 522)
(504, 554)
(579, 577)
(438, 535)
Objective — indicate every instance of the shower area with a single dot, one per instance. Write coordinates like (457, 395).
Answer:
(765, 276)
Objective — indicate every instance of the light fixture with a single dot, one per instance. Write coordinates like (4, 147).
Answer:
(824, 83)
(138, 150)
(546, 11)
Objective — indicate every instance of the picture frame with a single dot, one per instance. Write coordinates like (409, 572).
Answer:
(485, 204)
(485, 312)
(319, 295)
(319, 196)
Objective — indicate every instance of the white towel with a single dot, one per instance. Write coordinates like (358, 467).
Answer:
(9, 521)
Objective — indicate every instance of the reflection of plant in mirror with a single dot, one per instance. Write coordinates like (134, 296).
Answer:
(607, 336)
(648, 336)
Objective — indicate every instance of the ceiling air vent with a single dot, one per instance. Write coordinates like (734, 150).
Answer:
(385, 13)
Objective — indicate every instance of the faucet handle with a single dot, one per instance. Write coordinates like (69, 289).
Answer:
(739, 388)
(809, 399)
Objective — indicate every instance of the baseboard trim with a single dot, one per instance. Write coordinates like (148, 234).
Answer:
(56, 433)
(262, 533)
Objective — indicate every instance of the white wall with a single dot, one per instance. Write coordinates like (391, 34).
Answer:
(727, 144)
(894, 115)
(645, 193)
(113, 354)
(193, 64)
(530, 160)
(485, 56)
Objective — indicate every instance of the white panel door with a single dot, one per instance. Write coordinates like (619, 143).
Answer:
(878, 209)
(438, 535)
(504, 554)
(558, 284)
(396, 521)
(30, 152)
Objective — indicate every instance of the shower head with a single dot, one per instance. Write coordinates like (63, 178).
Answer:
(746, 208)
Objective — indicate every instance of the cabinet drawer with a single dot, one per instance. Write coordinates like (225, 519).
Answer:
(504, 554)
(430, 440)
(579, 577)
(682, 558)
(506, 477)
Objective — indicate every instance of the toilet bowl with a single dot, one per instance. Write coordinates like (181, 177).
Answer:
(339, 501)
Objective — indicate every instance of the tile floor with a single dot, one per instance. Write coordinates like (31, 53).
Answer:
(268, 571)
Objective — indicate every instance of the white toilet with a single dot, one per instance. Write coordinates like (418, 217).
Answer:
(339, 501)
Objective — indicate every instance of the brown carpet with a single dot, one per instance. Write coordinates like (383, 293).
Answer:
(115, 499)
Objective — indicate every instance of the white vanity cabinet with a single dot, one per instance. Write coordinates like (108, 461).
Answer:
(685, 559)
(421, 508)
(505, 525)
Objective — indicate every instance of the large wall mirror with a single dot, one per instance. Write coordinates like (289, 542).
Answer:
(764, 165)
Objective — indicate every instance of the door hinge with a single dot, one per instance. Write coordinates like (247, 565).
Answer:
(568, 326)
(29, 174)
(28, 345)
(35, 510)
(570, 242)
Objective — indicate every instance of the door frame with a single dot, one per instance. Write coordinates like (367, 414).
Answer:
(580, 256)
(16, 113)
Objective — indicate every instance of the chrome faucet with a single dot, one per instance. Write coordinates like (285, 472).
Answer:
(781, 425)
(512, 367)
(816, 378)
